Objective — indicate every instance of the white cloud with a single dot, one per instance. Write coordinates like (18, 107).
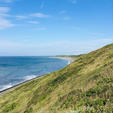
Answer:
(51, 48)
(76, 47)
(5, 23)
(4, 10)
(33, 22)
(5, 15)
(20, 17)
(6, 1)
(39, 15)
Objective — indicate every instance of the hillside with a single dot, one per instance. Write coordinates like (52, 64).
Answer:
(84, 86)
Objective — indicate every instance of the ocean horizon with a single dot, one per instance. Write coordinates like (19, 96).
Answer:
(17, 69)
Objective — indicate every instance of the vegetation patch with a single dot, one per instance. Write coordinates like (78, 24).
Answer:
(10, 107)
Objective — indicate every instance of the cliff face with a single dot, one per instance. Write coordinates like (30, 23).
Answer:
(85, 86)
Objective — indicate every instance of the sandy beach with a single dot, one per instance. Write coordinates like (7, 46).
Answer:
(70, 59)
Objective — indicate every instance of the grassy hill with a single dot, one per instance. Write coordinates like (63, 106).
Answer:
(85, 86)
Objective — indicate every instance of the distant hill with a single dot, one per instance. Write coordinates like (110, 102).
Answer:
(84, 86)
(69, 55)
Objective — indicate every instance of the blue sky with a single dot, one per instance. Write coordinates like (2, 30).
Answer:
(52, 27)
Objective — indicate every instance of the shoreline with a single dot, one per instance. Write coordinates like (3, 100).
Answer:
(19, 84)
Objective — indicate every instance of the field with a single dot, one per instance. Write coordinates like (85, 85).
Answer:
(84, 86)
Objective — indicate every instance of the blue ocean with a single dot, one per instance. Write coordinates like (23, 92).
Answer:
(15, 70)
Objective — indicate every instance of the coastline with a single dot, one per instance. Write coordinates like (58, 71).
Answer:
(19, 84)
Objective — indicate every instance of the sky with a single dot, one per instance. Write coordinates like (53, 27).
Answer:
(54, 27)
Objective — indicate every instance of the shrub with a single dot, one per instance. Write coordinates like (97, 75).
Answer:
(105, 80)
(100, 102)
(92, 92)
(10, 107)
(29, 110)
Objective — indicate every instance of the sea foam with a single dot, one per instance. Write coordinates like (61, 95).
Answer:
(29, 77)
(5, 86)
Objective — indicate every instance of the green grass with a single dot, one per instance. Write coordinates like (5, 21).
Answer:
(84, 86)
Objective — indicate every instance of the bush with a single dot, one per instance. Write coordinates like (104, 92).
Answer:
(92, 92)
(100, 102)
(95, 103)
(105, 80)
(10, 107)
(29, 110)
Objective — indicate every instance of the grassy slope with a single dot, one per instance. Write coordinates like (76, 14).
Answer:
(85, 86)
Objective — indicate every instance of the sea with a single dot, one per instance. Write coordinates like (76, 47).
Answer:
(15, 70)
